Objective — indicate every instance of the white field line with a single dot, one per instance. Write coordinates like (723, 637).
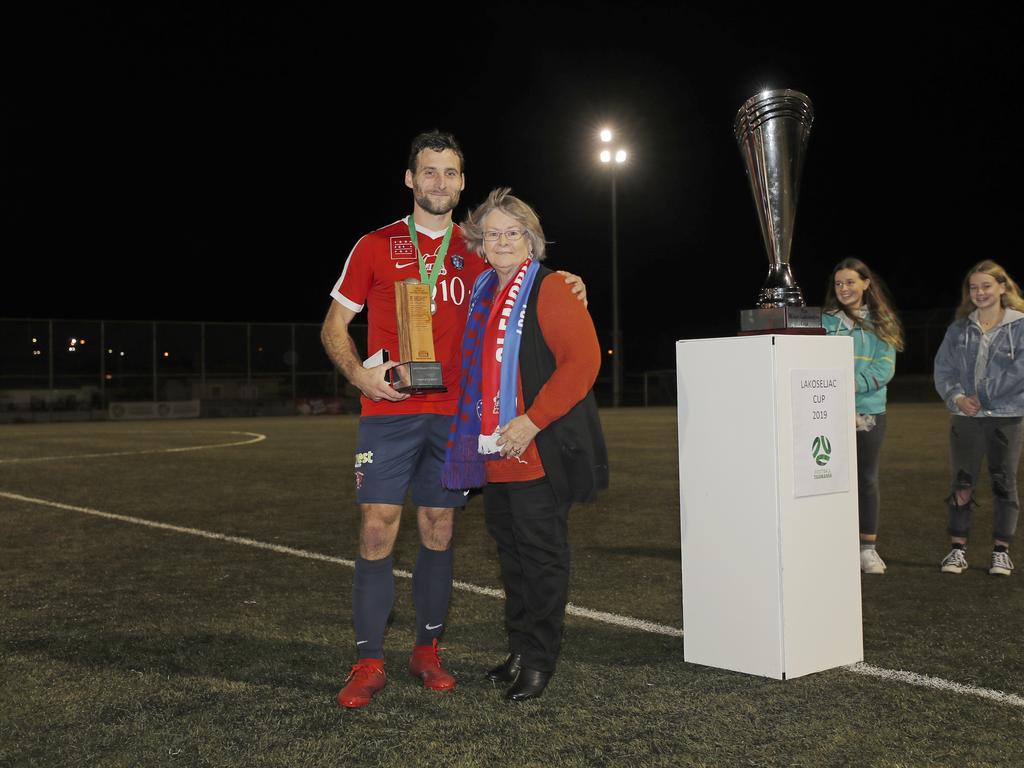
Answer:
(910, 678)
(255, 437)
(927, 681)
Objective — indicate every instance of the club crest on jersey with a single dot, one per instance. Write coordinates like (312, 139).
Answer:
(401, 249)
(457, 261)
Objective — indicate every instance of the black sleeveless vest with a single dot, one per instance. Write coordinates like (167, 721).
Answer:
(571, 448)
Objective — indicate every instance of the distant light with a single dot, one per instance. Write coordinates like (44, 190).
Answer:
(71, 349)
(606, 135)
(109, 376)
(122, 354)
(74, 341)
(110, 351)
(35, 340)
(259, 349)
(611, 351)
(36, 352)
(620, 156)
(167, 354)
(81, 341)
(606, 156)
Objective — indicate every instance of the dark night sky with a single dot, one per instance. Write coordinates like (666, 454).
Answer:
(218, 162)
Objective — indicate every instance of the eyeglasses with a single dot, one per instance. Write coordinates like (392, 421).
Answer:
(493, 235)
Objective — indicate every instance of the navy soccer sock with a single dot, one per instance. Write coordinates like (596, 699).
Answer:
(373, 594)
(431, 591)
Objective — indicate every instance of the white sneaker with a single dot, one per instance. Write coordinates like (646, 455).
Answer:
(1001, 564)
(954, 562)
(870, 562)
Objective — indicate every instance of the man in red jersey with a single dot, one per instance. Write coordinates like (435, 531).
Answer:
(402, 439)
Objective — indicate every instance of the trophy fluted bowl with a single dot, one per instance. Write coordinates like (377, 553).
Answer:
(772, 129)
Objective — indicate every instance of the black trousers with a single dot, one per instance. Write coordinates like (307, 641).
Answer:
(530, 528)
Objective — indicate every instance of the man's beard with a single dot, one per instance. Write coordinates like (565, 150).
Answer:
(437, 207)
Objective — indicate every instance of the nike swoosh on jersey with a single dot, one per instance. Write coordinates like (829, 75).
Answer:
(403, 266)
(435, 626)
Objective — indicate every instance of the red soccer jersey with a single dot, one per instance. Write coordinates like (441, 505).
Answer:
(385, 257)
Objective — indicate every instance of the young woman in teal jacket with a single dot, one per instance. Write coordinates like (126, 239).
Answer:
(979, 373)
(856, 305)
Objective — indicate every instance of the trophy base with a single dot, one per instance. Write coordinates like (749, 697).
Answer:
(416, 378)
(780, 297)
(789, 320)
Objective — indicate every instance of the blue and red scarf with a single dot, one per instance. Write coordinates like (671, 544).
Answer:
(463, 463)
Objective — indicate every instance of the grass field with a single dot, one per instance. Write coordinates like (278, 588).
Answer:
(123, 644)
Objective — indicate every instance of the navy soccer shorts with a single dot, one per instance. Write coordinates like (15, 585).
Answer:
(394, 452)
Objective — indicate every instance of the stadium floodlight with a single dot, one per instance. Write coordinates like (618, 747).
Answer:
(606, 135)
(606, 156)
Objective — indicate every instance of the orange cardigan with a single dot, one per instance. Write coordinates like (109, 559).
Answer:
(569, 333)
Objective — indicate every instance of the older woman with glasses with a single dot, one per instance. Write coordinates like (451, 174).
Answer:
(527, 429)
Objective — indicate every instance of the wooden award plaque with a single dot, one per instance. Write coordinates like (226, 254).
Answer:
(418, 371)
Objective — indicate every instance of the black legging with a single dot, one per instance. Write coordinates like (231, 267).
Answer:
(869, 448)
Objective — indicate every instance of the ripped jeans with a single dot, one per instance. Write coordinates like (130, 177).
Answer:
(998, 439)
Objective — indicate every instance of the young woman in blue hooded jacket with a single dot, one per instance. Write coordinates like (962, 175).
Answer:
(857, 305)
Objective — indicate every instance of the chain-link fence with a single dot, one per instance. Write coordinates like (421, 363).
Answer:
(86, 367)
(924, 330)
(50, 365)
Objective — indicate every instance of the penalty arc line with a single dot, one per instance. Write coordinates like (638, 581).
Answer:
(869, 670)
(256, 438)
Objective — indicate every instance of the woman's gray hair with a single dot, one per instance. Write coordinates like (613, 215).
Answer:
(502, 200)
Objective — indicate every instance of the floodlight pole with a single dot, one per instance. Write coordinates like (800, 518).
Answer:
(613, 159)
(616, 327)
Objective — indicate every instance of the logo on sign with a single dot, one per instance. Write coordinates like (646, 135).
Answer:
(821, 450)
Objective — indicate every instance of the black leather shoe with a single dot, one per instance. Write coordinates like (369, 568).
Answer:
(506, 671)
(529, 685)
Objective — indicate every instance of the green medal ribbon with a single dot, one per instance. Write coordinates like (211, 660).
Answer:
(429, 279)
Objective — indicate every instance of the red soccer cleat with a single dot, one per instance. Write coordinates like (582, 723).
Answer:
(366, 678)
(426, 665)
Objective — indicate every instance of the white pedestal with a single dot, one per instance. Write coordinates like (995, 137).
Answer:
(771, 580)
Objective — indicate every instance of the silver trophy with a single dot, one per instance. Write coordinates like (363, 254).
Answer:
(772, 129)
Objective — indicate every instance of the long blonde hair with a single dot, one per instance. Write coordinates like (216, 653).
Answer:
(882, 319)
(1011, 298)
